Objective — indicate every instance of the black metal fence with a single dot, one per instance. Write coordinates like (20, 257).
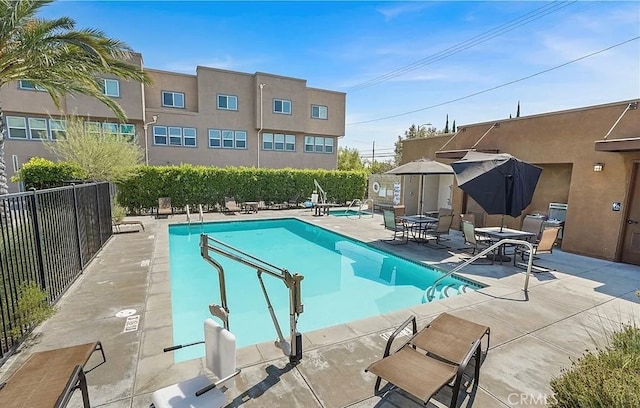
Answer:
(47, 237)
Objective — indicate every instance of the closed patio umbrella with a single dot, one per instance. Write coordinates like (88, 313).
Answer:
(500, 183)
(421, 167)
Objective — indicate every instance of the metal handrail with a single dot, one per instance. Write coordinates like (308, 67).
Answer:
(432, 289)
(292, 282)
(188, 215)
(360, 204)
(201, 213)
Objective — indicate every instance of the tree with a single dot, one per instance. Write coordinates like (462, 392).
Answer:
(52, 55)
(349, 159)
(103, 156)
(446, 125)
(453, 128)
(414, 132)
(380, 167)
(518, 112)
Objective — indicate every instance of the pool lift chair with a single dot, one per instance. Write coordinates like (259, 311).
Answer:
(292, 348)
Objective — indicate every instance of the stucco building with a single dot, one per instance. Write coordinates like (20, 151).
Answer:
(591, 162)
(215, 117)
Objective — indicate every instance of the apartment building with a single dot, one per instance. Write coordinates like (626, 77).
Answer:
(215, 118)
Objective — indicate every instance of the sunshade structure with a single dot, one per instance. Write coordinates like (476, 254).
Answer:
(422, 167)
(499, 183)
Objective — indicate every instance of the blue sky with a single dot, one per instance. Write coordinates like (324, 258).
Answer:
(392, 58)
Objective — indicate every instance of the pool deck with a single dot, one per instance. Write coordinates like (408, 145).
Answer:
(533, 335)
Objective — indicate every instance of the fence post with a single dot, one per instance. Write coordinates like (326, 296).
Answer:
(77, 218)
(98, 213)
(38, 238)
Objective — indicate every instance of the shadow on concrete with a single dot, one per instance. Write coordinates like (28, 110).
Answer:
(273, 377)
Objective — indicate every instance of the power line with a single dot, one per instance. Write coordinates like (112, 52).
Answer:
(472, 42)
(497, 86)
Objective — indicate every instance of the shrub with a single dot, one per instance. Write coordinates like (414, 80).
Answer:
(41, 173)
(33, 308)
(609, 377)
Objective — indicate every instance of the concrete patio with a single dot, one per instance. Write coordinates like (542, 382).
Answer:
(533, 335)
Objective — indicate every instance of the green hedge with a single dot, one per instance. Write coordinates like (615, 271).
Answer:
(41, 173)
(193, 185)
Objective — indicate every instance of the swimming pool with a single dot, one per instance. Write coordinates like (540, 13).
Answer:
(348, 213)
(344, 279)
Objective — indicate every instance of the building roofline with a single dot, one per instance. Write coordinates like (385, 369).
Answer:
(560, 112)
(327, 90)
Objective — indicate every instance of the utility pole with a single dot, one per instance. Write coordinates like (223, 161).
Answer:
(373, 154)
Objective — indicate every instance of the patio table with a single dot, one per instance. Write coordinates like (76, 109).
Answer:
(498, 233)
(420, 222)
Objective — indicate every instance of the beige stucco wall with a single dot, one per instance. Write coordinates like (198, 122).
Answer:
(563, 144)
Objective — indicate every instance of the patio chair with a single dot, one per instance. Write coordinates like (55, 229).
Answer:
(439, 229)
(293, 202)
(220, 359)
(545, 246)
(391, 224)
(164, 209)
(231, 206)
(49, 378)
(534, 225)
(433, 358)
(470, 237)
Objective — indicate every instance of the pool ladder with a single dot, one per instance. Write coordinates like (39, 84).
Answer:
(360, 203)
(200, 215)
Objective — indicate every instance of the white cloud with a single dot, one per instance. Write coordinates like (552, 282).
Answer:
(392, 11)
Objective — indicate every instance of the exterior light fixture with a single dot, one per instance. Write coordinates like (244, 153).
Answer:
(598, 167)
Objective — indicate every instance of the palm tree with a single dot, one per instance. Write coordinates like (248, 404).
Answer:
(52, 55)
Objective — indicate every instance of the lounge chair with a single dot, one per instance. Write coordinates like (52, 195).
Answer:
(545, 246)
(164, 207)
(220, 359)
(118, 224)
(391, 224)
(48, 378)
(433, 358)
(231, 206)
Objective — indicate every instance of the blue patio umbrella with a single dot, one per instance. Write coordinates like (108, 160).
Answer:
(500, 183)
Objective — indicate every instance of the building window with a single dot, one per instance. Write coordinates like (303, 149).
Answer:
(175, 136)
(160, 135)
(278, 142)
(282, 106)
(111, 87)
(290, 143)
(110, 128)
(267, 141)
(228, 102)
(29, 86)
(38, 128)
(173, 99)
(214, 138)
(92, 128)
(58, 128)
(241, 139)
(17, 127)
(227, 139)
(128, 132)
(318, 111)
(318, 144)
(189, 137)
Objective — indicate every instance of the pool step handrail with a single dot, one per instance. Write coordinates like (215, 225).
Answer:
(291, 281)
(201, 214)
(359, 203)
(188, 215)
(430, 291)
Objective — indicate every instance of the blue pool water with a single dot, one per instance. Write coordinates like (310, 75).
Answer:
(347, 213)
(344, 280)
